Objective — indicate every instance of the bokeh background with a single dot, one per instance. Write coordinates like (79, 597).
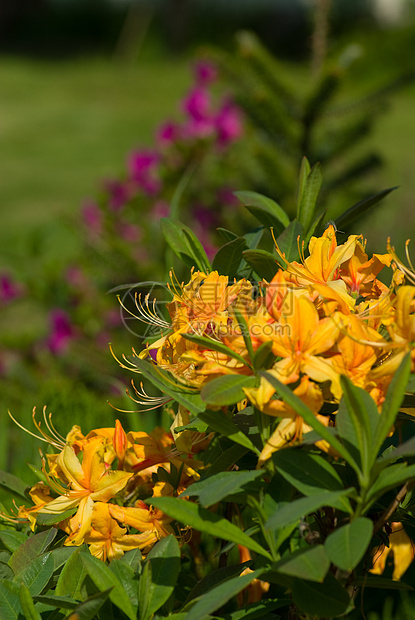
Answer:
(107, 124)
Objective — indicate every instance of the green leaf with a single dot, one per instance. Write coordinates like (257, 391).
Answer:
(364, 417)
(28, 607)
(263, 356)
(45, 519)
(59, 602)
(288, 240)
(362, 207)
(327, 599)
(71, 577)
(133, 559)
(389, 478)
(374, 581)
(226, 390)
(87, 610)
(290, 513)
(315, 226)
(347, 545)
(262, 609)
(10, 607)
(14, 484)
(302, 179)
(219, 423)
(213, 345)
(104, 579)
(164, 559)
(405, 449)
(31, 548)
(262, 262)
(261, 206)
(226, 234)
(226, 459)
(311, 564)
(308, 416)
(393, 400)
(61, 555)
(160, 379)
(5, 571)
(184, 244)
(221, 594)
(12, 540)
(129, 579)
(215, 488)
(310, 194)
(215, 577)
(228, 258)
(36, 574)
(309, 473)
(205, 521)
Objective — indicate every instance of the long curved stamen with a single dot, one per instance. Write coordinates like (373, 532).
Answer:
(54, 439)
(149, 315)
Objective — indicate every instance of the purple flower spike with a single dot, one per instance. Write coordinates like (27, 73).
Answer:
(62, 331)
(205, 72)
(167, 134)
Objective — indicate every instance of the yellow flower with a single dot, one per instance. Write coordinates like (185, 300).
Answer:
(108, 541)
(403, 553)
(87, 482)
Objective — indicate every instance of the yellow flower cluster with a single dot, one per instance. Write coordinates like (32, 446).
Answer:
(325, 316)
(101, 478)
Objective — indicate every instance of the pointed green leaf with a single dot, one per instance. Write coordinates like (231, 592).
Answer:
(215, 488)
(215, 577)
(71, 577)
(226, 234)
(288, 241)
(290, 513)
(104, 579)
(221, 594)
(28, 606)
(164, 559)
(88, 610)
(133, 559)
(223, 425)
(262, 609)
(161, 379)
(311, 564)
(228, 258)
(393, 400)
(348, 544)
(309, 197)
(205, 521)
(263, 356)
(12, 540)
(45, 519)
(184, 244)
(262, 262)
(324, 600)
(260, 202)
(32, 547)
(10, 607)
(5, 571)
(389, 478)
(14, 484)
(362, 207)
(36, 573)
(213, 345)
(309, 473)
(226, 459)
(308, 416)
(302, 179)
(226, 390)
(59, 602)
(129, 579)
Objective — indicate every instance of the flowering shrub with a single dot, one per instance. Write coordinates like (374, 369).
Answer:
(284, 485)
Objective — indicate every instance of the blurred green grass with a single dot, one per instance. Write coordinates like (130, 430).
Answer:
(65, 126)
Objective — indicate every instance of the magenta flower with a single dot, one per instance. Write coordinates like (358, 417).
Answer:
(92, 218)
(130, 232)
(205, 72)
(228, 124)
(62, 331)
(9, 289)
(142, 167)
(197, 104)
(167, 134)
(118, 194)
(160, 209)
